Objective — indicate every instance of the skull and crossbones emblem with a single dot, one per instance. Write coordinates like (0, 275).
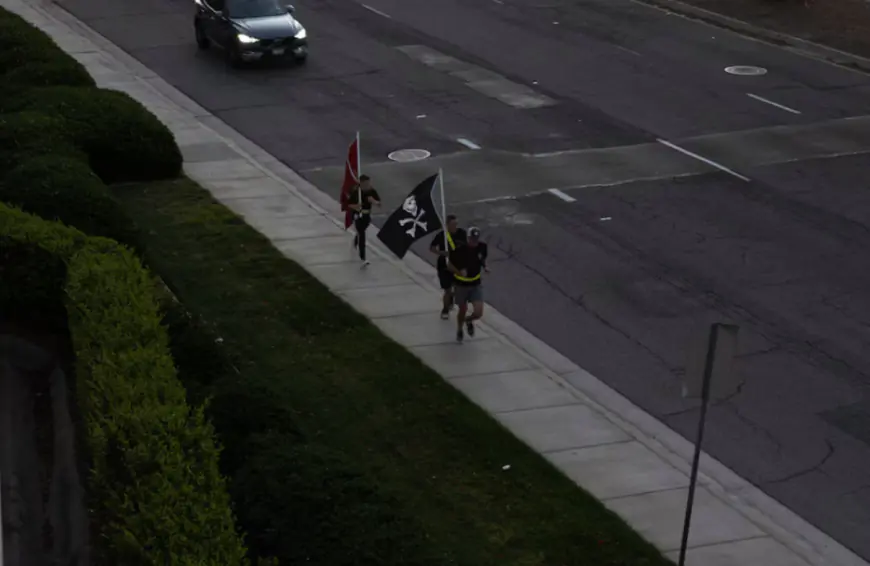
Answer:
(415, 219)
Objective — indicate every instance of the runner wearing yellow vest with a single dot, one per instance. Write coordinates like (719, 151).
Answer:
(468, 262)
(455, 237)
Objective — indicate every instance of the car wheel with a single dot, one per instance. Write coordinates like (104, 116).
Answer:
(301, 59)
(201, 40)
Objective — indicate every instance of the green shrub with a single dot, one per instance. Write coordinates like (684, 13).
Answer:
(161, 453)
(155, 493)
(63, 71)
(21, 44)
(27, 134)
(62, 188)
(29, 281)
(123, 140)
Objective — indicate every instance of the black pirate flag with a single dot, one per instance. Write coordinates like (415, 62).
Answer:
(416, 218)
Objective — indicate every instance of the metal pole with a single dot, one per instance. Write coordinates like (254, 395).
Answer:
(358, 174)
(2, 560)
(443, 209)
(705, 401)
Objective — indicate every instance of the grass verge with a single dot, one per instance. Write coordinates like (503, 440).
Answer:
(334, 387)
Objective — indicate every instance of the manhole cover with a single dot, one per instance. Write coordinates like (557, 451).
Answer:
(406, 155)
(746, 70)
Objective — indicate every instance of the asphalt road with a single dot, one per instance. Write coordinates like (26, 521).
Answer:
(648, 243)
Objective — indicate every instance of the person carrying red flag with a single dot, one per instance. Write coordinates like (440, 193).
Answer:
(360, 203)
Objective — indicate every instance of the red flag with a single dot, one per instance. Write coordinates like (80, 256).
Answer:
(351, 180)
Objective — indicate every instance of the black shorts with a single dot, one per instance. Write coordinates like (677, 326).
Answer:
(445, 279)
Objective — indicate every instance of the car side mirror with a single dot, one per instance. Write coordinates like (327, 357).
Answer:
(291, 8)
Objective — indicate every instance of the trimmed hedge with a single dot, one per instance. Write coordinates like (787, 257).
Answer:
(63, 71)
(56, 122)
(28, 134)
(62, 188)
(156, 495)
(22, 44)
(41, 306)
(30, 58)
(123, 140)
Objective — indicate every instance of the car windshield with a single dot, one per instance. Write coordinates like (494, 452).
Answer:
(255, 8)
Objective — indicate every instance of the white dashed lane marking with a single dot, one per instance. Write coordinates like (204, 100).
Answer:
(468, 143)
(561, 195)
(772, 103)
(376, 11)
(703, 159)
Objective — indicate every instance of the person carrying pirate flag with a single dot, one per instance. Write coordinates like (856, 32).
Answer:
(443, 244)
(416, 218)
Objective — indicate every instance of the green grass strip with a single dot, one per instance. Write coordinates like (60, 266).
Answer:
(348, 388)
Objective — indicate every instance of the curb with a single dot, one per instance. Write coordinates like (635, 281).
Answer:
(803, 47)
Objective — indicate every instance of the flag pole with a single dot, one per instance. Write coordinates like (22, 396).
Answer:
(1, 521)
(443, 209)
(358, 187)
(358, 170)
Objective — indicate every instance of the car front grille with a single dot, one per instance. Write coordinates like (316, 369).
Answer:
(273, 43)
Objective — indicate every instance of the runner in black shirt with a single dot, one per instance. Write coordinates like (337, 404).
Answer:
(467, 262)
(455, 237)
(362, 212)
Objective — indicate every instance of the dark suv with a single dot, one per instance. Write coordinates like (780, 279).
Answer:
(250, 30)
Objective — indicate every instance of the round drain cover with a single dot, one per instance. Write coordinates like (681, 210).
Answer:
(407, 155)
(746, 70)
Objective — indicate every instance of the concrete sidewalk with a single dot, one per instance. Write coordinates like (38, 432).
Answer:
(633, 463)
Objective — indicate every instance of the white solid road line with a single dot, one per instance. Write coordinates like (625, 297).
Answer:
(704, 159)
(772, 103)
(468, 143)
(561, 195)
(376, 11)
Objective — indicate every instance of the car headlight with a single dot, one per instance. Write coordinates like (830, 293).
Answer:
(301, 34)
(246, 38)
